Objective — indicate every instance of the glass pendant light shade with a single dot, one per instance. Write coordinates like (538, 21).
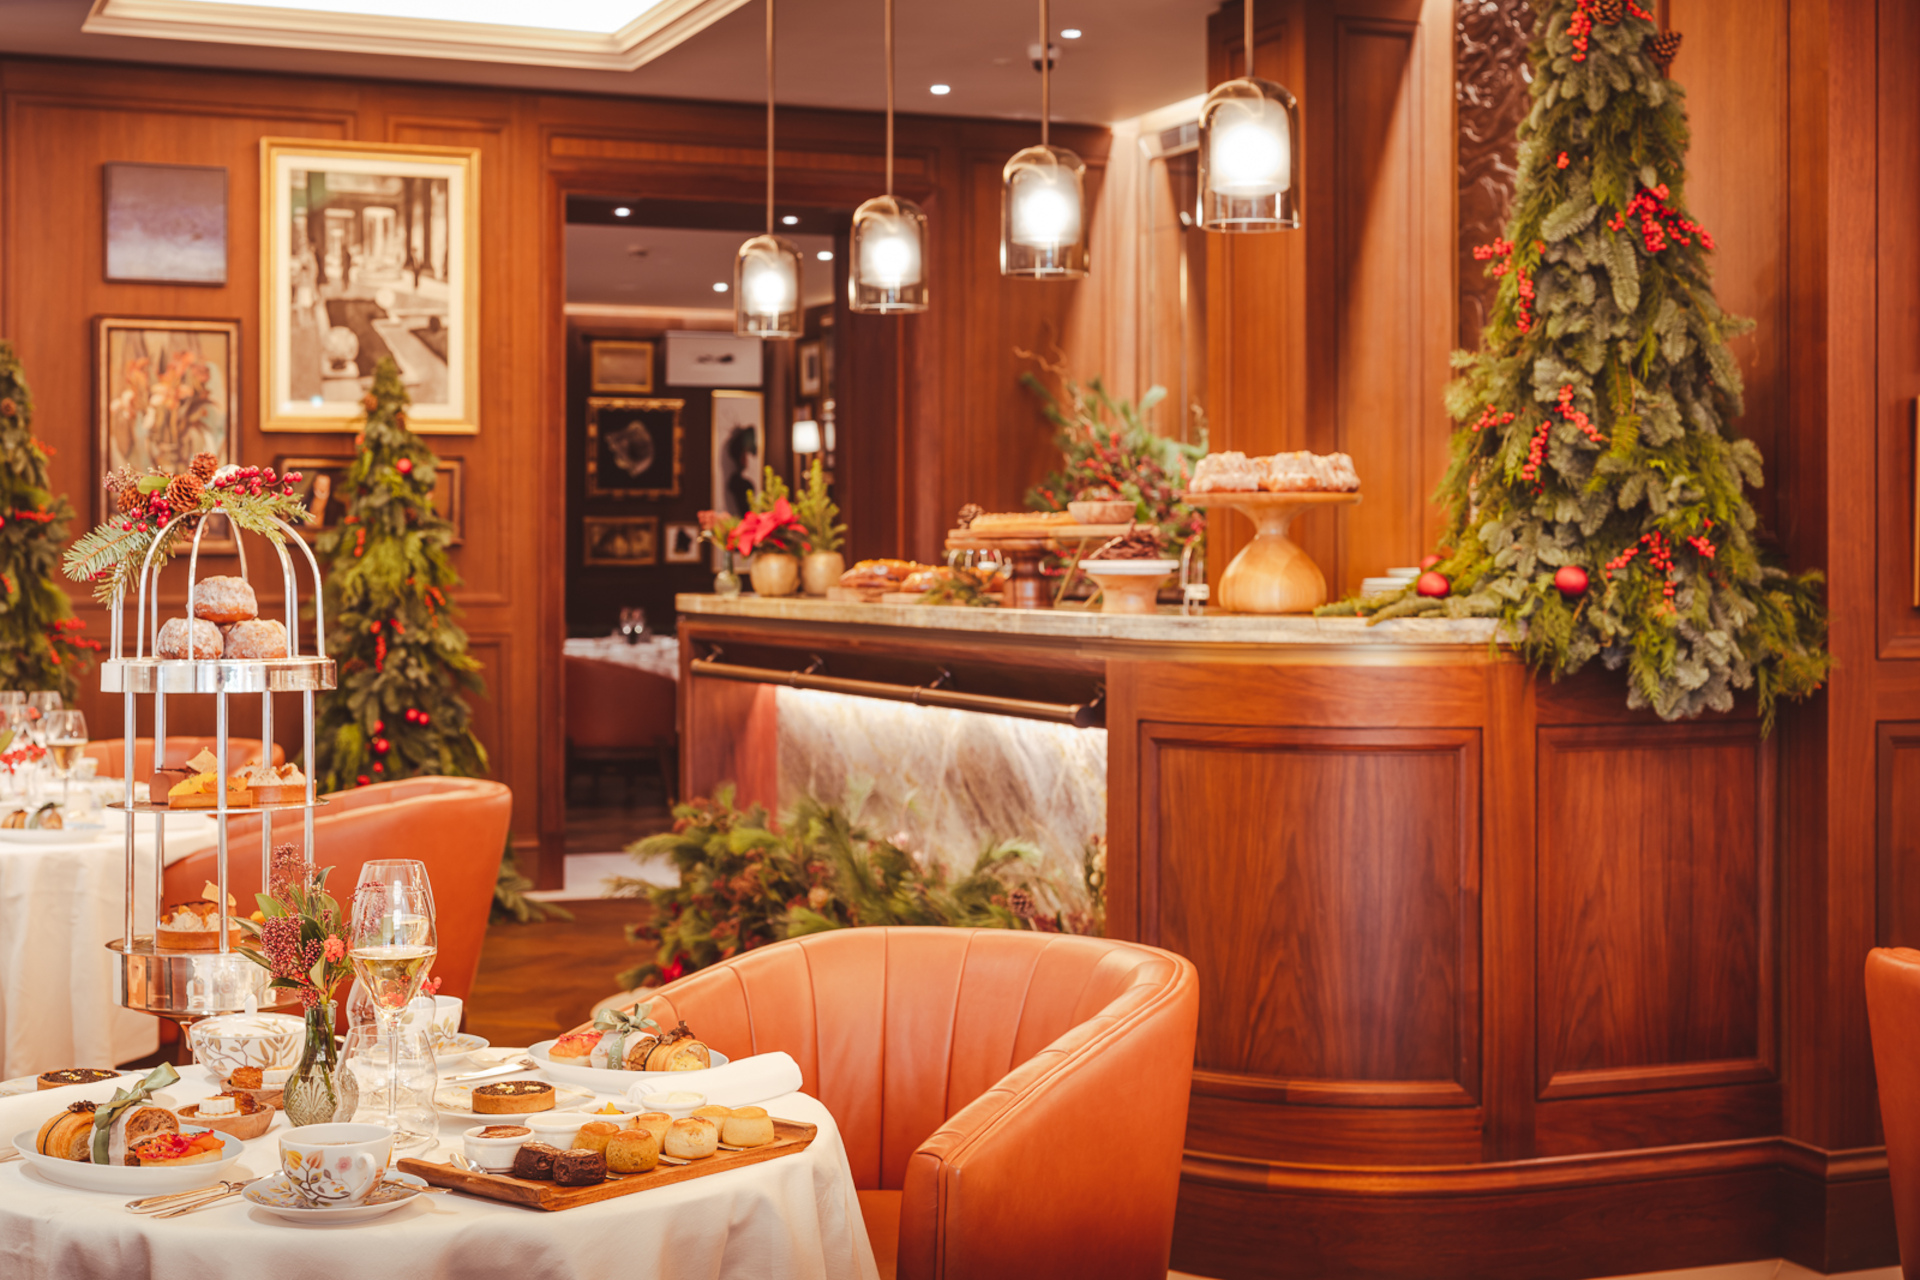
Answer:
(1042, 215)
(1249, 158)
(888, 273)
(766, 289)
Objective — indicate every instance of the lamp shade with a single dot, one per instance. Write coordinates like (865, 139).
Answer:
(888, 271)
(1249, 158)
(1043, 225)
(766, 289)
(806, 436)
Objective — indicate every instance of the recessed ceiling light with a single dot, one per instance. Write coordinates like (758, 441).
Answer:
(791, 220)
(622, 212)
(720, 286)
(940, 90)
(825, 255)
(1069, 33)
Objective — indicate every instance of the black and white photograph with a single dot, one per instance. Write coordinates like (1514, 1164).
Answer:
(681, 544)
(739, 449)
(633, 448)
(369, 254)
(699, 358)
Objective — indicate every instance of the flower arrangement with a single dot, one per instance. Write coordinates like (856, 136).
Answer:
(818, 515)
(299, 937)
(772, 524)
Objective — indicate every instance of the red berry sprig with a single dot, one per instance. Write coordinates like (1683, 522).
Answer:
(1491, 417)
(1500, 252)
(1660, 224)
(1580, 26)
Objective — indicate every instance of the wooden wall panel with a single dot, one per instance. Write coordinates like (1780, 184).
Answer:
(1350, 952)
(1896, 186)
(1655, 908)
(1898, 845)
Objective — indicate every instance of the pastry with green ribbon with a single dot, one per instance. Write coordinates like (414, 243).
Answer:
(129, 1116)
(626, 1037)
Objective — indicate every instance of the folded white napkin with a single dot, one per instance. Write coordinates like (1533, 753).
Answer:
(738, 1084)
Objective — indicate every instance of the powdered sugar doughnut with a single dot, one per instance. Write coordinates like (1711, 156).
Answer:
(257, 638)
(224, 600)
(1229, 472)
(173, 639)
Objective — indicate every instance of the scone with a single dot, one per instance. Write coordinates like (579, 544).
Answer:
(654, 1122)
(594, 1134)
(713, 1113)
(632, 1151)
(694, 1138)
(747, 1127)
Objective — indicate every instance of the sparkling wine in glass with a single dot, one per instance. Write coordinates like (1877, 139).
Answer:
(66, 743)
(392, 946)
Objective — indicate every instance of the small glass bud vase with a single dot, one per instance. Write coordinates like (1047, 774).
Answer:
(312, 1094)
(726, 583)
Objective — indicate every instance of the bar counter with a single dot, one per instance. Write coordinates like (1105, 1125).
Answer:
(1482, 956)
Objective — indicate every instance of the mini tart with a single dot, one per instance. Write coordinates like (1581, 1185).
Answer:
(512, 1097)
(201, 792)
(176, 1148)
(72, 1075)
(204, 939)
(575, 1046)
(253, 1119)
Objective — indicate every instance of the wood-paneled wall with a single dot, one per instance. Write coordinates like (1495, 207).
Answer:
(942, 421)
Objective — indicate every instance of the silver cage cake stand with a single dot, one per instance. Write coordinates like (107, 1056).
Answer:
(186, 986)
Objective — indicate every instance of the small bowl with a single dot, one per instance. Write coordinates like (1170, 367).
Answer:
(661, 1101)
(558, 1128)
(1112, 511)
(495, 1155)
(247, 1040)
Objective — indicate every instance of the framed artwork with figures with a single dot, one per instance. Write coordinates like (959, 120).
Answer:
(164, 391)
(321, 479)
(368, 250)
(739, 449)
(633, 448)
(620, 540)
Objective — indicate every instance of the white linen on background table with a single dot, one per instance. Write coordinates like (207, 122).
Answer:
(60, 905)
(658, 654)
(792, 1218)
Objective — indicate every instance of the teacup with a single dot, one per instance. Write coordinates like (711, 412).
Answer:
(440, 1015)
(335, 1165)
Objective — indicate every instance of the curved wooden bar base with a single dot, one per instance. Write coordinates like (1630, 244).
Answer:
(1489, 966)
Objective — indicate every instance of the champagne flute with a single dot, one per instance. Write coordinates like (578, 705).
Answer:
(41, 703)
(66, 740)
(13, 718)
(392, 945)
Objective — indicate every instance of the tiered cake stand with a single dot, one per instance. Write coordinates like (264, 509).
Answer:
(185, 986)
(1271, 574)
(1026, 548)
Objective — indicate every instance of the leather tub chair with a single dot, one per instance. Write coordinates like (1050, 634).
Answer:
(619, 717)
(1893, 1012)
(112, 754)
(1012, 1104)
(457, 826)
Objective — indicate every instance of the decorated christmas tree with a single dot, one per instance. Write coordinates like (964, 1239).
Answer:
(1597, 489)
(40, 644)
(399, 709)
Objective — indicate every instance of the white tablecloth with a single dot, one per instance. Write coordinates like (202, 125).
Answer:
(658, 654)
(60, 904)
(793, 1218)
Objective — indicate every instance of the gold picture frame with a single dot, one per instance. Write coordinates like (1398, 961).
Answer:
(323, 499)
(368, 249)
(627, 456)
(620, 541)
(620, 368)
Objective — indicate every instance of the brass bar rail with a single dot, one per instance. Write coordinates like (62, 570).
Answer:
(1081, 715)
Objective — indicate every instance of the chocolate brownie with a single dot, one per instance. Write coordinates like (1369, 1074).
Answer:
(579, 1168)
(535, 1160)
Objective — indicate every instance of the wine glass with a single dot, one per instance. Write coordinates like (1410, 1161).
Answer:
(13, 719)
(392, 945)
(66, 739)
(633, 624)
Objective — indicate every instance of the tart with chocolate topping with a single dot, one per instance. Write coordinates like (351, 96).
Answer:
(512, 1097)
(72, 1075)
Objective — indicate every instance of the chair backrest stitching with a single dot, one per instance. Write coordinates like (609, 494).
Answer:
(953, 1028)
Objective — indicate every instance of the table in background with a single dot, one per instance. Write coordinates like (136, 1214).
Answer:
(658, 654)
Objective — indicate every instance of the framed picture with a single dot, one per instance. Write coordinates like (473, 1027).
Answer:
(683, 544)
(321, 479)
(621, 368)
(698, 358)
(165, 223)
(739, 447)
(808, 354)
(633, 448)
(164, 390)
(620, 540)
(369, 250)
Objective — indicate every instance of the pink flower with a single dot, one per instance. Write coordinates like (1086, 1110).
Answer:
(335, 949)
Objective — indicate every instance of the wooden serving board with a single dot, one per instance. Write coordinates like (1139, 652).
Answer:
(790, 1137)
(1037, 529)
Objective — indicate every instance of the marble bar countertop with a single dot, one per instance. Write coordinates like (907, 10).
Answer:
(1073, 623)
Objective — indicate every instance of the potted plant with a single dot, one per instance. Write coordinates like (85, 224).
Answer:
(772, 535)
(819, 518)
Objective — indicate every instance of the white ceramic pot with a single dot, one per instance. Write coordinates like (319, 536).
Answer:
(775, 573)
(821, 570)
(265, 1040)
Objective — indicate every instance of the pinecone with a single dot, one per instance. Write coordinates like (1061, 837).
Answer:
(183, 492)
(1609, 11)
(1021, 903)
(1661, 49)
(204, 465)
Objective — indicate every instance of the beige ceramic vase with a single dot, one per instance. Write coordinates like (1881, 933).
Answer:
(775, 573)
(821, 570)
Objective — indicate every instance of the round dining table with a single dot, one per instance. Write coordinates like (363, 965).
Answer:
(796, 1217)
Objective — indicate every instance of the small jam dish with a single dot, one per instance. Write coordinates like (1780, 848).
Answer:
(560, 1128)
(678, 1103)
(495, 1154)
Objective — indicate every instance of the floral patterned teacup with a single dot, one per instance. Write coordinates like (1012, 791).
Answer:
(336, 1165)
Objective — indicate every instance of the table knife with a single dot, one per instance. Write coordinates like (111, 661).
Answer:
(233, 1189)
(505, 1069)
(153, 1204)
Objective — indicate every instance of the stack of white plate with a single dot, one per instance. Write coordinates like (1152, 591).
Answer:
(1388, 583)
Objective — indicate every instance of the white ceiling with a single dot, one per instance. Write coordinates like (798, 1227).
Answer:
(1135, 55)
(673, 267)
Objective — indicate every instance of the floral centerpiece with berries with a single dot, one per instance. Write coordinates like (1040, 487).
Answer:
(298, 936)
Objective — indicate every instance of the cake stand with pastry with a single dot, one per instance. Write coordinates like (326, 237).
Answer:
(1272, 574)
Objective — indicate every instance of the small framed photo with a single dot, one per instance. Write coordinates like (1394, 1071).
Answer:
(164, 390)
(811, 370)
(698, 358)
(620, 541)
(683, 544)
(166, 223)
(322, 480)
(621, 368)
(633, 448)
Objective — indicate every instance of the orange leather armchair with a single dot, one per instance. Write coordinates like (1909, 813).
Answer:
(1002, 1095)
(1893, 1012)
(618, 715)
(112, 754)
(457, 826)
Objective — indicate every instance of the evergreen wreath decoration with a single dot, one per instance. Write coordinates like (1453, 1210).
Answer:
(1596, 417)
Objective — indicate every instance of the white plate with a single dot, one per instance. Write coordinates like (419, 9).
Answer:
(277, 1196)
(69, 835)
(121, 1179)
(602, 1077)
(457, 1100)
(458, 1050)
(1131, 568)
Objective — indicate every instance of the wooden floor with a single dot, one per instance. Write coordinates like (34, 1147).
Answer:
(537, 980)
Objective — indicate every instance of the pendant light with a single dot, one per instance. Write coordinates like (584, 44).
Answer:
(1043, 225)
(1250, 154)
(766, 272)
(888, 274)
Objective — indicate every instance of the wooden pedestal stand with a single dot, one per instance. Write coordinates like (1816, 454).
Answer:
(1271, 574)
(1027, 547)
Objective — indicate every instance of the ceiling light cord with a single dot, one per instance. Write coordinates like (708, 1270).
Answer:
(889, 27)
(769, 117)
(1249, 38)
(1046, 70)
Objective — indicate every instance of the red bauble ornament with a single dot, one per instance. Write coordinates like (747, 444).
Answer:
(404, 466)
(378, 767)
(1434, 585)
(381, 746)
(1571, 580)
(362, 781)
(423, 717)
(1429, 561)
(379, 726)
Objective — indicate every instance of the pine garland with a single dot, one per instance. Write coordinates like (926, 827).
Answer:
(1597, 491)
(40, 644)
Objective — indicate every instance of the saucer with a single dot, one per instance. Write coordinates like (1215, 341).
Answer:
(277, 1196)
